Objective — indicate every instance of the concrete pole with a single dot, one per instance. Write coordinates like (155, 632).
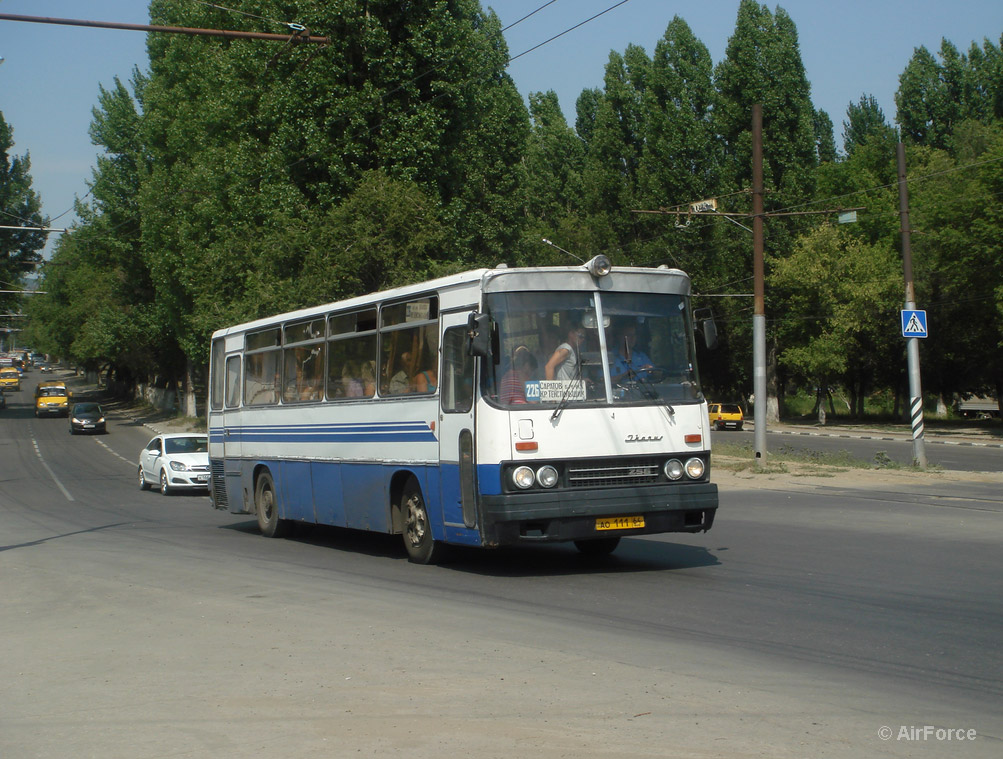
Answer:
(912, 344)
(759, 290)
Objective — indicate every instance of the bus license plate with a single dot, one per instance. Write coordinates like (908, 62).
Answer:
(619, 523)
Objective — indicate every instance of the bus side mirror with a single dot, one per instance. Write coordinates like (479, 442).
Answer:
(710, 333)
(705, 318)
(479, 335)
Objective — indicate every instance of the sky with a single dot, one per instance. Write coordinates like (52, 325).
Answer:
(50, 74)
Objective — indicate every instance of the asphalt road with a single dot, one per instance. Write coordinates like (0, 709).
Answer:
(812, 620)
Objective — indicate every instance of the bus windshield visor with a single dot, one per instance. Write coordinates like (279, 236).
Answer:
(585, 348)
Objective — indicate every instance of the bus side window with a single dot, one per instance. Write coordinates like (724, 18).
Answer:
(217, 381)
(233, 381)
(352, 355)
(261, 378)
(457, 381)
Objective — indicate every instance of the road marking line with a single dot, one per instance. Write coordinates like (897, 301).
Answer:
(38, 452)
(113, 453)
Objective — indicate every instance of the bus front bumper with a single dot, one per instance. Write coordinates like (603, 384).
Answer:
(574, 514)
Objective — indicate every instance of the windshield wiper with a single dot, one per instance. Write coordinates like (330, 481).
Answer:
(567, 389)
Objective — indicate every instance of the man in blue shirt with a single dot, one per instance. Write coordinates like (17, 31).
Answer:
(638, 365)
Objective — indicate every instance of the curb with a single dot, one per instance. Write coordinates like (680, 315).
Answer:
(893, 438)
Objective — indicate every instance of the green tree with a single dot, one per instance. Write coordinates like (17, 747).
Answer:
(553, 163)
(926, 110)
(586, 113)
(680, 156)
(955, 210)
(987, 77)
(615, 143)
(21, 206)
(842, 294)
(254, 142)
(763, 65)
(825, 143)
(864, 120)
(100, 309)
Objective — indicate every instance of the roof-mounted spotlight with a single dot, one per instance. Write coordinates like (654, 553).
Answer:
(599, 266)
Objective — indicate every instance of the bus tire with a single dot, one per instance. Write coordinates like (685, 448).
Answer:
(598, 546)
(421, 548)
(266, 507)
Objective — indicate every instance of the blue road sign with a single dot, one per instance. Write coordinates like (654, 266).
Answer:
(914, 323)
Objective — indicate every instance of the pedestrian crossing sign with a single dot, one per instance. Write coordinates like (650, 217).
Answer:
(913, 323)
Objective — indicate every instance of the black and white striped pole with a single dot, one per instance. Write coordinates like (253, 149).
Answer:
(912, 327)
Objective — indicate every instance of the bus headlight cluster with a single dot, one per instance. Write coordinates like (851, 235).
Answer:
(546, 476)
(524, 477)
(675, 469)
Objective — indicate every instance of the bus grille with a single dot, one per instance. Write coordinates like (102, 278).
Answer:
(613, 472)
(218, 486)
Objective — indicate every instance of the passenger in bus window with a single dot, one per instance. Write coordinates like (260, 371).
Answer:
(351, 380)
(399, 382)
(368, 374)
(310, 391)
(425, 381)
(513, 383)
(563, 363)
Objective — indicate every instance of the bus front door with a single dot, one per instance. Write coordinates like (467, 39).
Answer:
(231, 423)
(456, 433)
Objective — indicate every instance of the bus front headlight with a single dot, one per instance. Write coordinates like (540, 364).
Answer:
(546, 476)
(523, 477)
(673, 469)
(694, 468)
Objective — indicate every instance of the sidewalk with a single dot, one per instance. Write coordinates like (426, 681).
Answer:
(935, 431)
(158, 422)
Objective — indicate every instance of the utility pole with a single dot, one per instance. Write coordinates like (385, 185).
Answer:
(709, 207)
(912, 343)
(759, 289)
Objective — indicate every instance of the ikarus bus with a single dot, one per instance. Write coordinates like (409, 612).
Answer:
(494, 407)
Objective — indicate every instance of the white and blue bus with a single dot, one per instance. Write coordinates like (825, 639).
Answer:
(494, 407)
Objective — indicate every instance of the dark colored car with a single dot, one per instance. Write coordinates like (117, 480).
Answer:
(86, 417)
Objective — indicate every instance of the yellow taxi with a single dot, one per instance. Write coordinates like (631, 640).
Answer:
(10, 378)
(726, 416)
(52, 399)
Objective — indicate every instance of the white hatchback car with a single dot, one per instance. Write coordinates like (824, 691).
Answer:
(177, 461)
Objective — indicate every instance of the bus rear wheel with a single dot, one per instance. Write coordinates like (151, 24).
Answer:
(421, 548)
(597, 547)
(266, 507)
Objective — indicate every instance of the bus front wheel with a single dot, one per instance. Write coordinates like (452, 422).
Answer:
(421, 548)
(266, 507)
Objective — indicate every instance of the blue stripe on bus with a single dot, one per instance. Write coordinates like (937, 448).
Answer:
(383, 432)
(273, 436)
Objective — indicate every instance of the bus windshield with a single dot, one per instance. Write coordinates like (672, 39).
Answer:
(554, 351)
